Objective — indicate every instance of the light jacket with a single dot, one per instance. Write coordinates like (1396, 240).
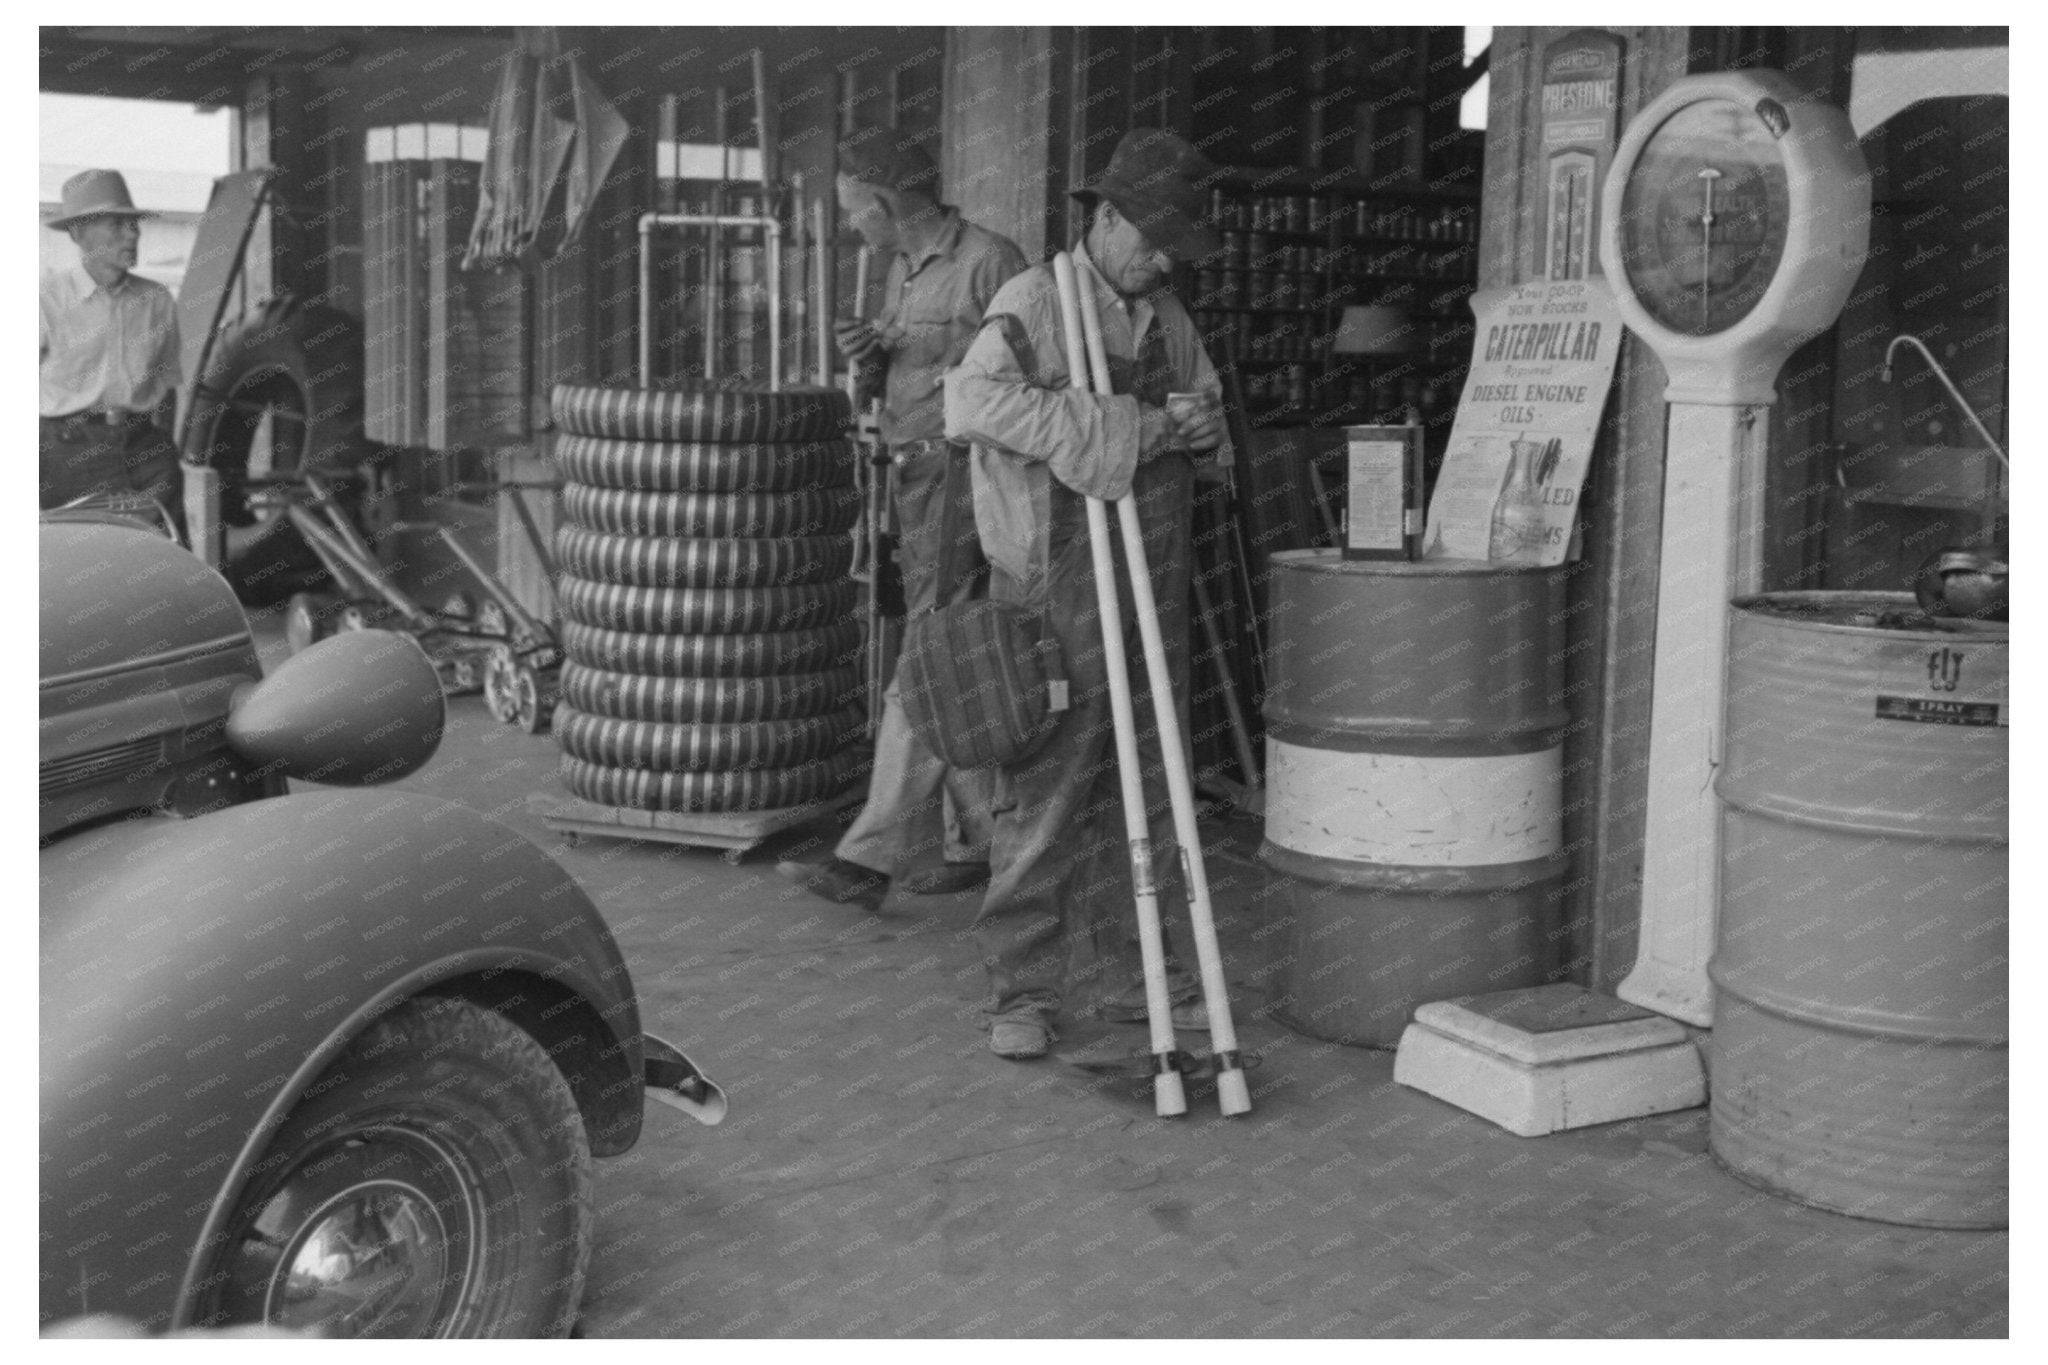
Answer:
(1028, 424)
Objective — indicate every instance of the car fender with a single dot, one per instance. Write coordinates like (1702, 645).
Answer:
(166, 1064)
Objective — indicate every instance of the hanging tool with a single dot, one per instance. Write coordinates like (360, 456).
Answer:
(1233, 1096)
(1168, 1091)
(875, 475)
(1240, 734)
(1239, 547)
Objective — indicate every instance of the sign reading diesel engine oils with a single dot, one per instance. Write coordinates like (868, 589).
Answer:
(1951, 685)
(1542, 360)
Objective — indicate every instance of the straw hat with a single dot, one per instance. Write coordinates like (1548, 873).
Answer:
(96, 194)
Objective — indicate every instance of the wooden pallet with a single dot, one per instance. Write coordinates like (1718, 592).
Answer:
(738, 832)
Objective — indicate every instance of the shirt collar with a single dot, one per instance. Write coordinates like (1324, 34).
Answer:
(86, 284)
(1138, 310)
(945, 243)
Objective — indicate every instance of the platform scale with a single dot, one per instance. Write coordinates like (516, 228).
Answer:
(1734, 222)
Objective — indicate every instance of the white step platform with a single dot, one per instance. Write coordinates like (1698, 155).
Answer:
(1548, 1058)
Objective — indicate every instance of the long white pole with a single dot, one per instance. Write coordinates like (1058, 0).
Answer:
(1169, 1094)
(1233, 1096)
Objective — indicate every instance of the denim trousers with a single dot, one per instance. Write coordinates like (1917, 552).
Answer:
(920, 812)
(1060, 872)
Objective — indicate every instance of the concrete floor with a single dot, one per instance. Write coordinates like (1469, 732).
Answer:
(883, 1175)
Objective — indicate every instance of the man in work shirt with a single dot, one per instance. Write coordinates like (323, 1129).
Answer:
(943, 270)
(1041, 443)
(109, 353)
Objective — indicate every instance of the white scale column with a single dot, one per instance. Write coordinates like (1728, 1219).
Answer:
(1713, 512)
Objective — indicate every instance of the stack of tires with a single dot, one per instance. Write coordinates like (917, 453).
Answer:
(707, 610)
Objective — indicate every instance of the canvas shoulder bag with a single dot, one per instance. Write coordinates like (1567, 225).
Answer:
(982, 682)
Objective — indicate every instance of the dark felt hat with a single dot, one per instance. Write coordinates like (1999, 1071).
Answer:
(1159, 183)
(890, 158)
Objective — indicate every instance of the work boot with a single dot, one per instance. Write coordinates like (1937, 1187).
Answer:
(947, 879)
(838, 881)
(1020, 1036)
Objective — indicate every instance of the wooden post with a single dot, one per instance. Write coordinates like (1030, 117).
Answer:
(1611, 636)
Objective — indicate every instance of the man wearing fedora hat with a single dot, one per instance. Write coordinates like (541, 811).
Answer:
(943, 270)
(109, 352)
(1042, 443)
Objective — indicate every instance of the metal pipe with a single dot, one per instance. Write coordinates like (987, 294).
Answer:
(1953, 392)
(648, 223)
(533, 535)
(800, 280)
(714, 266)
(1233, 1095)
(319, 537)
(764, 132)
(1168, 1089)
(773, 227)
(820, 289)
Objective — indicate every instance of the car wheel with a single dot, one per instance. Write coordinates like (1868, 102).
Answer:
(436, 1182)
(299, 365)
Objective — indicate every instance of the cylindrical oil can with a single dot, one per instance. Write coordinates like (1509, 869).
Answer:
(1858, 1057)
(1414, 730)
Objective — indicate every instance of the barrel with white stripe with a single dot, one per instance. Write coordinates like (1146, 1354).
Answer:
(1414, 755)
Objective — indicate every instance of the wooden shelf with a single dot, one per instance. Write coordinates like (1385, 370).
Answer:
(1294, 179)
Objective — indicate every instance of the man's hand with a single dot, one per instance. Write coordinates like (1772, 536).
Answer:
(1205, 433)
(856, 339)
(1157, 433)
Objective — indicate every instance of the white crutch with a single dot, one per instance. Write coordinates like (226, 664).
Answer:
(1233, 1095)
(1168, 1093)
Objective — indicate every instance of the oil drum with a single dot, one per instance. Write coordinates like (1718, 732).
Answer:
(1858, 1057)
(1414, 730)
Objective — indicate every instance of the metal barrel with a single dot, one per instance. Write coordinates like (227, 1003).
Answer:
(1414, 728)
(1858, 1057)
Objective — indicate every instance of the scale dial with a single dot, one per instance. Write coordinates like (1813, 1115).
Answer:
(1732, 227)
(1704, 216)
